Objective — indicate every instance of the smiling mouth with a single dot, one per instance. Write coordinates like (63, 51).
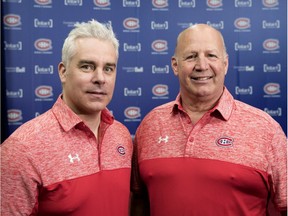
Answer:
(201, 78)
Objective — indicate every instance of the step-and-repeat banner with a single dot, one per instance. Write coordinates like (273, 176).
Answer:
(33, 32)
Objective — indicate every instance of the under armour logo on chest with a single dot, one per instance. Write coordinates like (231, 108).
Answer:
(76, 157)
(161, 139)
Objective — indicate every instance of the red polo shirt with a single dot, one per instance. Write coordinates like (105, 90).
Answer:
(231, 162)
(53, 165)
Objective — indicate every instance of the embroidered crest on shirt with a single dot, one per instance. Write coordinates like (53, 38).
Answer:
(73, 158)
(163, 139)
(224, 141)
(121, 150)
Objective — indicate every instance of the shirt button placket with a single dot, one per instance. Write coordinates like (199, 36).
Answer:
(189, 146)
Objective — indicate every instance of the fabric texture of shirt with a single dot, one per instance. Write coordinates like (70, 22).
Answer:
(54, 165)
(231, 162)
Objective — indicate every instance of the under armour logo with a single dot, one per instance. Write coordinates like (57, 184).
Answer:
(161, 139)
(76, 157)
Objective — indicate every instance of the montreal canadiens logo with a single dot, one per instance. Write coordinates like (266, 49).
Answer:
(14, 115)
(272, 88)
(159, 45)
(132, 112)
(242, 23)
(271, 44)
(270, 3)
(160, 3)
(121, 150)
(43, 44)
(102, 3)
(224, 141)
(131, 23)
(12, 20)
(160, 90)
(214, 3)
(43, 91)
(43, 2)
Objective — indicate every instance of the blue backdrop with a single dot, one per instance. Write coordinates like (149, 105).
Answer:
(33, 33)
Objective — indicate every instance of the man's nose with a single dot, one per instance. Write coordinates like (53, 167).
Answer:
(201, 63)
(98, 76)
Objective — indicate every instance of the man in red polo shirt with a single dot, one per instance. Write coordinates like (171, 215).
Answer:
(75, 159)
(206, 153)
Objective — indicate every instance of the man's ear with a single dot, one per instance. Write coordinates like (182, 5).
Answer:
(174, 65)
(62, 72)
(226, 64)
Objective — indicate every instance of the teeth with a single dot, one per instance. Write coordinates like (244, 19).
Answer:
(201, 78)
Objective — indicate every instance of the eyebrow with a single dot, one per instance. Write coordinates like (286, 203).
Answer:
(85, 62)
(111, 64)
(93, 63)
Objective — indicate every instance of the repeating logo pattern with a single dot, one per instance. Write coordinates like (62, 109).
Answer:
(254, 31)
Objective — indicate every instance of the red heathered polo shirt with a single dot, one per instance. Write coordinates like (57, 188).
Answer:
(231, 162)
(52, 165)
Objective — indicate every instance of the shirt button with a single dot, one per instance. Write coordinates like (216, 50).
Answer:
(191, 139)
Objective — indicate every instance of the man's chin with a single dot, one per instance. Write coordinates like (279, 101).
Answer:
(98, 108)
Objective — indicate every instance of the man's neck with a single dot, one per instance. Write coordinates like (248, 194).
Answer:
(92, 121)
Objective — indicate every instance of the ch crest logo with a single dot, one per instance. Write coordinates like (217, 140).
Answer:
(163, 139)
(72, 158)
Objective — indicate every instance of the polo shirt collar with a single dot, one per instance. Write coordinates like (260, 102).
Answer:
(107, 117)
(224, 106)
(68, 119)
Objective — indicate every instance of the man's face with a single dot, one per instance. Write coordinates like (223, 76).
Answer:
(200, 63)
(89, 78)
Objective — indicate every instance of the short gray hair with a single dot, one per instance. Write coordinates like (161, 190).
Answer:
(90, 29)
